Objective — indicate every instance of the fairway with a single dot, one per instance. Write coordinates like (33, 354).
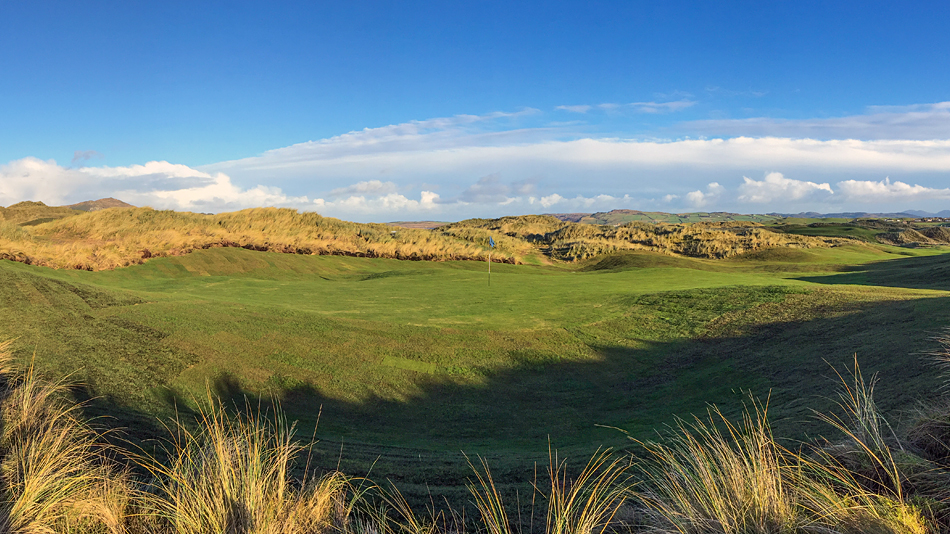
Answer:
(400, 359)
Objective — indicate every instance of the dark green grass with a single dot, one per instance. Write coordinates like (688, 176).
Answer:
(827, 229)
(416, 361)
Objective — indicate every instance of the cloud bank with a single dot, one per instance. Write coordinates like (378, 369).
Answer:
(158, 184)
(920, 122)
(491, 165)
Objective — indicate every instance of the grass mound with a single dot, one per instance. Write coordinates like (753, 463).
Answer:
(638, 260)
(31, 213)
(940, 234)
(119, 237)
(112, 238)
(783, 255)
(572, 241)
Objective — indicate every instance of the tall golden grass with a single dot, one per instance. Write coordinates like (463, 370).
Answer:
(29, 212)
(572, 241)
(719, 477)
(54, 476)
(119, 237)
(588, 503)
(233, 474)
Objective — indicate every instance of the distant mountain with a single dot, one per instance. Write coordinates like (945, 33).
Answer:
(918, 213)
(101, 204)
(853, 215)
(622, 216)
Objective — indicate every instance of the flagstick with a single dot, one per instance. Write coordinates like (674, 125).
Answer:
(489, 267)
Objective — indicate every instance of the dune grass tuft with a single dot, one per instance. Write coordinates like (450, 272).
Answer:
(234, 475)
(719, 477)
(53, 474)
(588, 503)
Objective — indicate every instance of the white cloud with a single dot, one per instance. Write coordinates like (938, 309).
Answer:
(437, 155)
(578, 203)
(575, 109)
(395, 170)
(441, 152)
(648, 107)
(157, 183)
(920, 122)
(362, 188)
(776, 187)
(885, 190)
(701, 199)
(388, 204)
(661, 107)
(487, 190)
(549, 200)
(34, 179)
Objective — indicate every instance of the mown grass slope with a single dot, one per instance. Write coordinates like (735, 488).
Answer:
(406, 363)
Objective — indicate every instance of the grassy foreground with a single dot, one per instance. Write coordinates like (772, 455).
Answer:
(233, 474)
(407, 363)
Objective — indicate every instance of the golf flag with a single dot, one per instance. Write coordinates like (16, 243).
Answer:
(491, 243)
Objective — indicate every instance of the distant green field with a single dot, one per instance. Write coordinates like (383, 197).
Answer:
(828, 229)
(410, 362)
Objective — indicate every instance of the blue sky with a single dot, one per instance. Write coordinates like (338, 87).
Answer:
(379, 111)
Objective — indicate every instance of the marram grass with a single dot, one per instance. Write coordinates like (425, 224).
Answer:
(119, 237)
(233, 474)
(53, 475)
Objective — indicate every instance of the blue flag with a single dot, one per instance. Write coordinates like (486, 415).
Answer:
(491, 242)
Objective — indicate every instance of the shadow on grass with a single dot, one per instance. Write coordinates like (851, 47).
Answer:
(928, 272)
(511, 415)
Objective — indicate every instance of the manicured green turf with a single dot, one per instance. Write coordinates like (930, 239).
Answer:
(405, 359)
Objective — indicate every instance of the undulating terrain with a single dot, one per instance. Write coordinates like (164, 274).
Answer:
(587, 335)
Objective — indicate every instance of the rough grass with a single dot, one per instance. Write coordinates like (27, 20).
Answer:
(118, 237)
(233, 474)
(29, 212)
(54, 476)
(572, 241)
(715, 476)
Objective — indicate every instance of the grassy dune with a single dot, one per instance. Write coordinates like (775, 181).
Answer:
(118, 237)
(112, 238)
(32, 213)
(574, 241)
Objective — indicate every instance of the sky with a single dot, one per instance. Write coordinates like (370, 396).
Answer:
(384, 111)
